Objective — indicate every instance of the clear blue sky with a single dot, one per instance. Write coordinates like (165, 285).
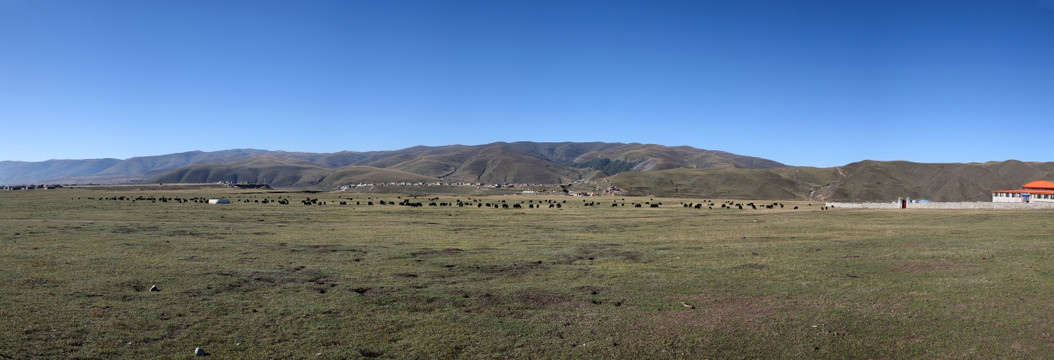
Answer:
(818, 83)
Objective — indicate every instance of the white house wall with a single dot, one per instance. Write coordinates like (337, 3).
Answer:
(1016, 198)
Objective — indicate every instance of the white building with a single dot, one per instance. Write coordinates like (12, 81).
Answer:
(1036, 191)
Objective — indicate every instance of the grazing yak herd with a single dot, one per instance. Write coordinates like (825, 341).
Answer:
(413, 201)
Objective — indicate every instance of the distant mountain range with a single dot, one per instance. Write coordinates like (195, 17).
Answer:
(635, 168)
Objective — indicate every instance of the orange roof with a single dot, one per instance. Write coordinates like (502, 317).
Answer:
(1039, 184)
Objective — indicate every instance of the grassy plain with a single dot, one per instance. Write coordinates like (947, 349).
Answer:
(254, 280)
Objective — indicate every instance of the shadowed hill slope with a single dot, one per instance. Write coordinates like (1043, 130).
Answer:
(717, 183)
(657, 157)
(284, 172)
(276, 172)
(860, 181)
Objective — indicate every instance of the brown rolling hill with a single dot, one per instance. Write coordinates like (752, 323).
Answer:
(860, 181)
(496, 163)
(277, 172)
(657, 157)
(287, 173)
(714, 183)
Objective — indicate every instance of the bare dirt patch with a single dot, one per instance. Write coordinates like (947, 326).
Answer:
(591, 252)
(540, 299)
(373, 291)
(593, 290)
(435, 252)
(712, 311)
(132, 229)
(195, 234)
(922, 268)
(284, 276)
(514, 269)
(519, 304)
(325, 249)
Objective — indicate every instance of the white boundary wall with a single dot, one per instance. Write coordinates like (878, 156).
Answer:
(1011, 198)
(945, 205)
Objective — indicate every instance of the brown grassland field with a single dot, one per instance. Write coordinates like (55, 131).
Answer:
(255, 280)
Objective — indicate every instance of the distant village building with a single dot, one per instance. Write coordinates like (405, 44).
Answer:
(1036, 191)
